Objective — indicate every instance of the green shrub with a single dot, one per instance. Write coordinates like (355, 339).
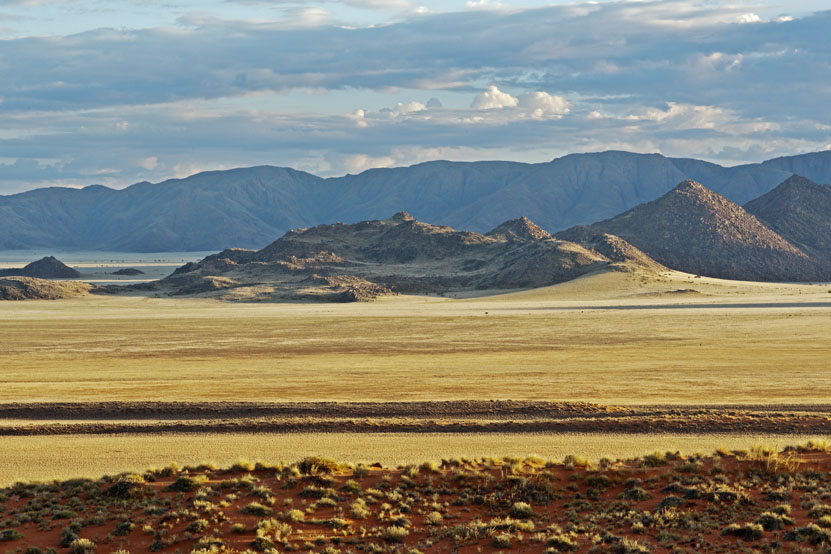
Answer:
(521, 510)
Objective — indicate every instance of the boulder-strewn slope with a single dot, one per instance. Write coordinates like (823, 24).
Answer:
(44, 268)
(696, 230)
(249, 206)
(343, 262)
(800, 211)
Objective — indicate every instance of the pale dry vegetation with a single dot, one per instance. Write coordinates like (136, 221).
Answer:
(43, 458)
(589, 340)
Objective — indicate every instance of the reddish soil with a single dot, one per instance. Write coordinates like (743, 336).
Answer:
(729, 502)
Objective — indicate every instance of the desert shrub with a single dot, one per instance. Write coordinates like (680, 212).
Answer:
(746, 532)
(352, 486)
(82, 546)
(819, 510)
(316, 464)
(198, 526)
(396, 534)
(295, 515)
(635, 493)
(10, 535)
(598, 481)
(239, 528)
(262, 544)
(183, 484)
(811, 533)
(257, 509)
(124, 528)
(561, 543)
(669, 502)
(433, 518)
(359, 509)
(773, 522)
(502, 540)
(521, 510)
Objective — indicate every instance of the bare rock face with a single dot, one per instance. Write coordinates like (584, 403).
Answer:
(343, 263)
(44, 268)
(799, 210)
(696, 230)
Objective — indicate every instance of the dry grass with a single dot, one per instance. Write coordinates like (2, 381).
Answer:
(64, 457)
(548, 344)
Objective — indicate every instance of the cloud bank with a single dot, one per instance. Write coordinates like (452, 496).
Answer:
(681, 77)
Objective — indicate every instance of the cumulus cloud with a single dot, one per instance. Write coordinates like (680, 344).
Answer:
(541, 104)
(493, 98)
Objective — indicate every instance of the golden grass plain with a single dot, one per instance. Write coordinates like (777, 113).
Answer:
(609, 338)
(46, 458)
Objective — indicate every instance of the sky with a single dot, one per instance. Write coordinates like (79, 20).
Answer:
(120, 91)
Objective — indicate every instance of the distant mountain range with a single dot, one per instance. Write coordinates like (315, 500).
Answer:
(249, 207)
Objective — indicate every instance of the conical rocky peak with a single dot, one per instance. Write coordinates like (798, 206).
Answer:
(520, 228)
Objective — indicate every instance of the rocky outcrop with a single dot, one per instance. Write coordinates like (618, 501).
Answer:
(44, 268)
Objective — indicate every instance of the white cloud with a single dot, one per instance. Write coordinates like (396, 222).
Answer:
(749, 18)
(541, 104)
(493, 98)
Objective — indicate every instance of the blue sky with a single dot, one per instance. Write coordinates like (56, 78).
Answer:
(119, 91)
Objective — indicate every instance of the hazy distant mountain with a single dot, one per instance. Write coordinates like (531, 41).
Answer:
(342, 262)
(800, 211)
(696, 230)
(249, 207)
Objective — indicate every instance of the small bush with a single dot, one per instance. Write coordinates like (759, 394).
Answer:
(433, 518)
(561, 543)
(773, 522)
(395, 534)
(198, 526)
(82, 546)
(635, 493)
(316, 464)
(521, 510)
(257, 509)
(503, 540)
(10, 535)
(183, 484)
(746, 532)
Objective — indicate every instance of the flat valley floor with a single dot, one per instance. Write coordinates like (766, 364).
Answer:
(608, 353)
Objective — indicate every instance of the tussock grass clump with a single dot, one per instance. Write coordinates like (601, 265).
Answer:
(396, 534)
(521, 510)
(257, 509)
(746, 532)
(185, 484)
(312, 465)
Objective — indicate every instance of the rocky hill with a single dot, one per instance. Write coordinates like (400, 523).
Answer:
(696, 230)
(248, 207)
(44, 268)
(800, 211)
(28, 288)
(343, 262)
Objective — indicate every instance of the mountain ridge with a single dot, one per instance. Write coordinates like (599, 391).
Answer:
(247, 207)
